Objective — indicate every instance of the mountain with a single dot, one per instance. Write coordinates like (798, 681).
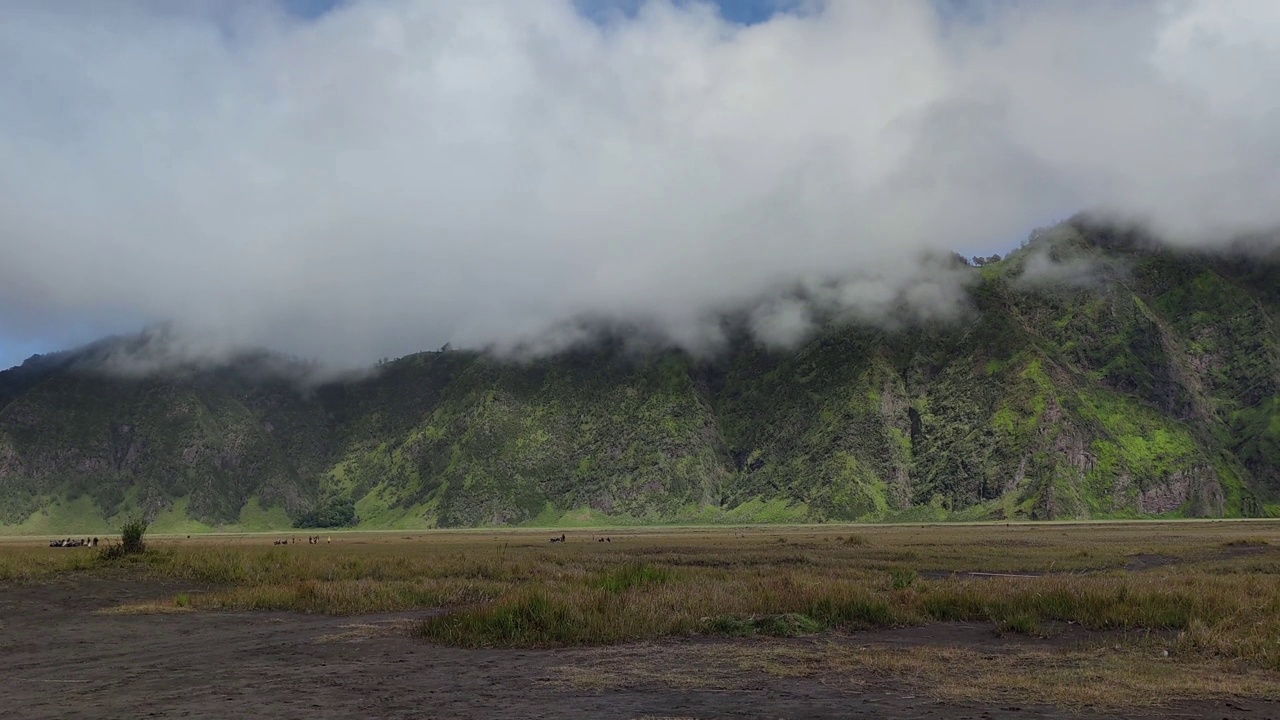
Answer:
(1096, 374)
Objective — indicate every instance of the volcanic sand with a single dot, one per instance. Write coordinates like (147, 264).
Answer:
(67, 656)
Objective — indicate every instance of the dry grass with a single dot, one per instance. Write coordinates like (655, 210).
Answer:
(360, 632)
(159, 607)
(351, 597)
(1208, 594)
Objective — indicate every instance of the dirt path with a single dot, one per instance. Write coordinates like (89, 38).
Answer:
(61, 659)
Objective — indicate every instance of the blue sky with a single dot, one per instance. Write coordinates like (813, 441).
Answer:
(746, 12)
(742, 11)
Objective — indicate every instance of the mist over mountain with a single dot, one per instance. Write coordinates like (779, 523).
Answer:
(397, 174)
(1092, 373)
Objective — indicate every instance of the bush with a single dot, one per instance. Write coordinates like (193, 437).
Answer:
(131, 536)
(131, 540)
(330, 512)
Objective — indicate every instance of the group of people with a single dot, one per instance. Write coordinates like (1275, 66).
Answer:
(311, 540)
(74, 542)
(562, 539)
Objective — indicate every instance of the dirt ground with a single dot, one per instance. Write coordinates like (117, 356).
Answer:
(62, 658)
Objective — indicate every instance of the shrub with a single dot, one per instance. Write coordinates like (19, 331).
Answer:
(330, 512)
(131, 536)
(131, 541)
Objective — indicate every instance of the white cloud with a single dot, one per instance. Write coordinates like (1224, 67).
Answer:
(404, 172)
(784, 323)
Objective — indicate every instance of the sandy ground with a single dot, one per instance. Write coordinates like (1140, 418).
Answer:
(59, 658)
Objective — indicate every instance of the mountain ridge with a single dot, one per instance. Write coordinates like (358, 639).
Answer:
(1093, 374)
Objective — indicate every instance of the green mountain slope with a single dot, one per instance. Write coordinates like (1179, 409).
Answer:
(1095, 376)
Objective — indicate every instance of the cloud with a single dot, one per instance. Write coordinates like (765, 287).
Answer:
(783, 323)
(929, 287)
(400, 173)
(1059, 258)
(165, 349)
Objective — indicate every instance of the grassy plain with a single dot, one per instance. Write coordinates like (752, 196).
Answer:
(1102, 614)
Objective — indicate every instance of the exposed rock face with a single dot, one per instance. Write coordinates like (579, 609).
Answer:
(1166, 497)
(1070, 446)
(897, 420)
(10, 465)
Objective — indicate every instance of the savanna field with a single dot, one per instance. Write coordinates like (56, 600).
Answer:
(1106, 615)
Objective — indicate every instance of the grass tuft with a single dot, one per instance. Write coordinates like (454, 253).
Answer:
(902, 578)
(783, 625)
(632, 575)
(1021, 623)
(530, 618)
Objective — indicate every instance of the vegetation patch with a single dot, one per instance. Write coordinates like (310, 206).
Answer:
(902, 578)
(1021, 623)
(132, 541)
(333, 511)
(632, 575)
(784, 625)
